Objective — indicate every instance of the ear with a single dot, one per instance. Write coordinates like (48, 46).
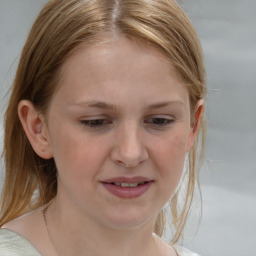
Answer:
(197, 114)
(34, 125)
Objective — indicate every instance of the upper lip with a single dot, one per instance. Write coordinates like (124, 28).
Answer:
(136, 179)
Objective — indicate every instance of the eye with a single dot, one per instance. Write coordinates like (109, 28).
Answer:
(159, 121)
(95, 123)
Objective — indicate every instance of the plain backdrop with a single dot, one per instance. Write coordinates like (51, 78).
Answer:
(227, 29)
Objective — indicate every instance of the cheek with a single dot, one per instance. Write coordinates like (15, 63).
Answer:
(77, 156)
(169, 156)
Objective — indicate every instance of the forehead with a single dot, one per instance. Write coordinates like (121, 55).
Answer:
(121, 49)
(119, 65)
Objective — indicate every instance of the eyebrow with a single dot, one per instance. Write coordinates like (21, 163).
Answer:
(164, 104)
(109, 106)
(96, 104)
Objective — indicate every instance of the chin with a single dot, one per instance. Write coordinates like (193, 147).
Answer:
(130, 219)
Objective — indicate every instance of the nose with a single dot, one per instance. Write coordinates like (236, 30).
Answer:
(129, 150)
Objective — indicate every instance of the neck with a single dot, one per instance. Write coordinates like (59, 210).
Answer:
(72, 233)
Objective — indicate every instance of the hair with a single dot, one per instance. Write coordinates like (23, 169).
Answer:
(60, 28)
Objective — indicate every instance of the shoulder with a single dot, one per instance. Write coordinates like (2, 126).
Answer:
(180, 251)
(12, 244)
(21, 236)
(184, 252)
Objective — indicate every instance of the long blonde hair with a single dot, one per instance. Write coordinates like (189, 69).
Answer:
(60, 28)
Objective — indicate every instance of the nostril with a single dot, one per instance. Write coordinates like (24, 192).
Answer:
(130, 164)
(129, 155)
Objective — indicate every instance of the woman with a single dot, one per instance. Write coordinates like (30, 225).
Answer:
(106, 105)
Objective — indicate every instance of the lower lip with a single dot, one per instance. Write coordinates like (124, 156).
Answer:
(127, 192)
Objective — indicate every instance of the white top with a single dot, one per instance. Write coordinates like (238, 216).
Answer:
(184, 252)
(12, 244)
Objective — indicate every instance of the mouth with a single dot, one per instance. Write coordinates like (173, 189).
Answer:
(127, 187)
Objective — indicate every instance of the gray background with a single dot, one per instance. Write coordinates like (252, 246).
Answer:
(227, 29)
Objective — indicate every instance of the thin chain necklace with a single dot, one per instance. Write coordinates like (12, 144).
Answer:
(44, 212)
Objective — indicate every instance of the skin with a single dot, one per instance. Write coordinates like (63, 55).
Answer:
(141, 127)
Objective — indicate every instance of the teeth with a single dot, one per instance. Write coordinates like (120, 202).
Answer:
(132, 185)
(129, 185)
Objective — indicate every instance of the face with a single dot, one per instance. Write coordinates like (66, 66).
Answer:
(119, 129)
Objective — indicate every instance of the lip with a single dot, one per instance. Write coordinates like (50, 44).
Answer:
(127, 192)
(136, 179)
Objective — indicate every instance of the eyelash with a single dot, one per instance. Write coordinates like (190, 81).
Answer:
(155, 121)
(99, 123)
(161, 121)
